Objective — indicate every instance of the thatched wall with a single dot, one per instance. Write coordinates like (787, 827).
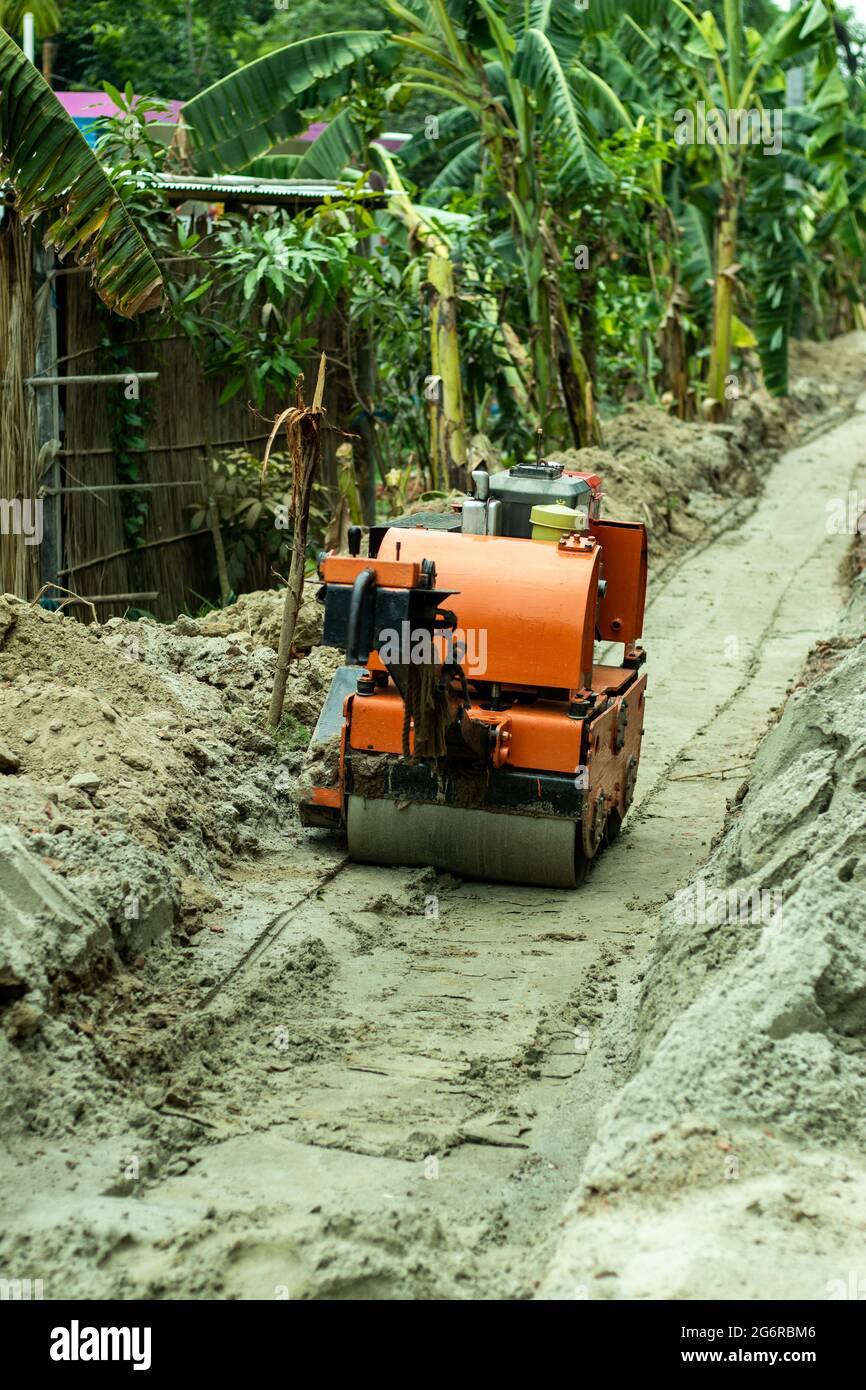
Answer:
(182, 414)
(19, 563)
(184, 422)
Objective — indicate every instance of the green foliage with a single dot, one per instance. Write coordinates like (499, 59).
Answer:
(625, 227)
(129, 417)
(53, 170)
(245, 114)
(252, 512)
(291, 736)
(177, 48)
(773, 279)
(538, 66)
(386, 304)
(267, 278)
(164, 46)
(46, 16)
(539, 127)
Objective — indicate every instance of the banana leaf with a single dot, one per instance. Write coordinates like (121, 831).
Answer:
(244, 115)
(339, 145)
(54, 171)
(537, 66)
(46, 14)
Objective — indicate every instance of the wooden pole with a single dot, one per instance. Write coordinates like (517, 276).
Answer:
(93, 379)
(213, 521)
(48, 426)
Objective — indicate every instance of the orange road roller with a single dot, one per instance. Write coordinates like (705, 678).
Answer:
(471, 728)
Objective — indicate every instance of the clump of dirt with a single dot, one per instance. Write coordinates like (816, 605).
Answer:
(421, 506)
(826, 373)
(256, 619)
(69, 918)
(677, 478)
(49, 937)
(129, 728)
(824, 657)
(321, 766)
(309, 682)
(370, 772)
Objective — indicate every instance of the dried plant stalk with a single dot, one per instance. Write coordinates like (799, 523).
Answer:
(303, 427)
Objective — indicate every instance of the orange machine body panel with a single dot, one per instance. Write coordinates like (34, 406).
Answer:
(621, 611)
(542, 735)
(327, 796)
(535, 603)
(608, 767)
(342, 569)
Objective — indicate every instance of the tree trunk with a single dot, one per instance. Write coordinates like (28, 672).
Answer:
(294, 594)
(366, 356)
(671, 347)
(723, 304)
(571, 403)
(448, 430)
(586, 316)
(542, 346)
(49, 58)
(445, 396)
(577, 387)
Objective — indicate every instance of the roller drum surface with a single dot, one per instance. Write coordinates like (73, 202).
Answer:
(472, 844)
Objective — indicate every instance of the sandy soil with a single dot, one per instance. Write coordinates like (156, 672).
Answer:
(355, 1082)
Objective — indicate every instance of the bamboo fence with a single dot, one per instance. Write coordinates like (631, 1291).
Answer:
(185, 425)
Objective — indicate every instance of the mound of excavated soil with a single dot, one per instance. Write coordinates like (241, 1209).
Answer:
(136, 766)
(675, 477)
(778, 1007)
(139, 756)
(734, 1152)
(822, 374)
(681, 479)
(132, 728)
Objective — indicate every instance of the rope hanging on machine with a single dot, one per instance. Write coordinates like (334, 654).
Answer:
(426, 706)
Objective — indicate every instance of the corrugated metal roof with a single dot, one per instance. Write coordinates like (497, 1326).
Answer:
(227, 186)
(235, 188)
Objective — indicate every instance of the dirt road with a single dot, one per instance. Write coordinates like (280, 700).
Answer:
(388, 1082)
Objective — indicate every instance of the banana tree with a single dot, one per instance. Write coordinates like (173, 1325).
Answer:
(830, 224)
(46, 22)
(243, 116)
(508, 70)
(729, 70)
(444, 391)
(515, 102)
(54, 172)
(658, 67)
